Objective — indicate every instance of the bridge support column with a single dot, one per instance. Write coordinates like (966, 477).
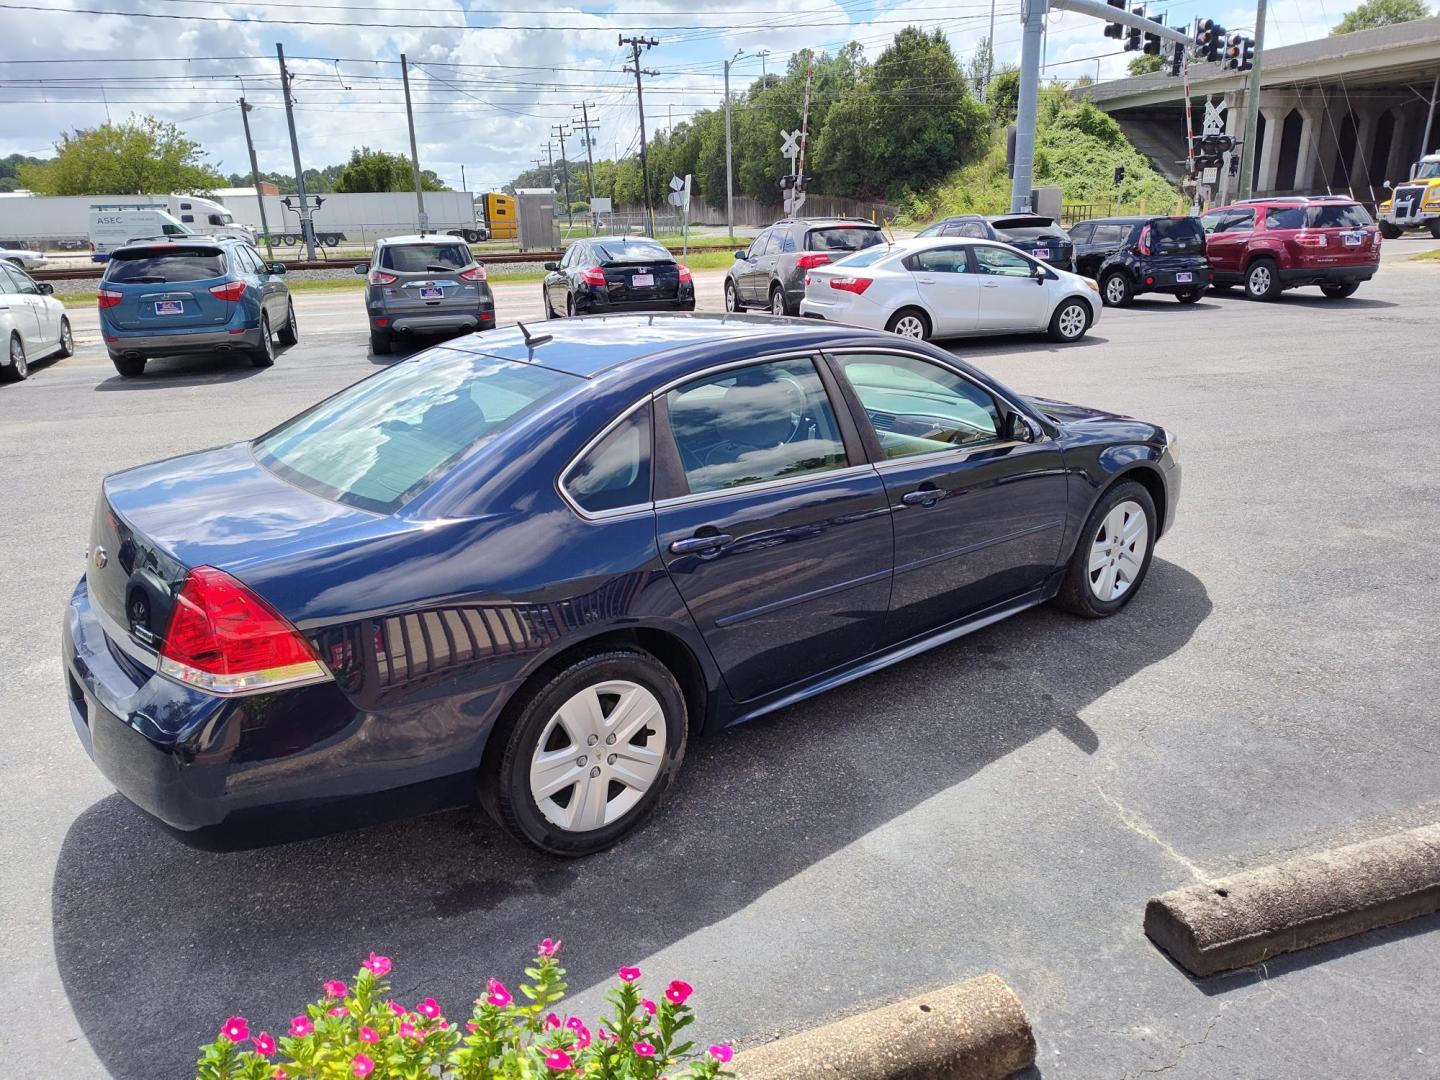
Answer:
(1360, 179)
(1270, 149)
(1309, 148)
(1397, 165)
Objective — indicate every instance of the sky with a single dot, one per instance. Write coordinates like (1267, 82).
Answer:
(486, 97)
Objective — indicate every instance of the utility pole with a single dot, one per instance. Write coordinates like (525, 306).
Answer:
(1248, 149)
(636, 43)
(990, 59)
(307, 227)
(586, 127)
(462, 179)
(245, 108)
(559, 130)
(414, 155)
(729, 179)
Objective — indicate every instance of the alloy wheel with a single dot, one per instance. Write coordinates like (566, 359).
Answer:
(18, 364)
(731, 301)
(1260, 280)
(1117, 554)
(777, 303)
(910, 326)
(1115, 289)
(598, 755)
(67, 338)
(1071, 321)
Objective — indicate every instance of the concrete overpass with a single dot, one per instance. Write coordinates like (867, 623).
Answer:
(1337, 115)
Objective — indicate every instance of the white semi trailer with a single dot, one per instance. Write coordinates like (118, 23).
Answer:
(62, 222)
(362, 217)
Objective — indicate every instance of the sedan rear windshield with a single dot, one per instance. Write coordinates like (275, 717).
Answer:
(380, 442)
(424, 258)
(632, 251)
(148, 266)
(870, 255)
(1179, 236)
(843, 238)
(1030, 221)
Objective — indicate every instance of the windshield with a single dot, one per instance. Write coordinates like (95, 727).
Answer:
(422, 258)
(1429, 170)
(378, 443)
(843, 238)
(146, 265)
(632, 251)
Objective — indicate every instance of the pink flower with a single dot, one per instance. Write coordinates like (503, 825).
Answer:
(409, 1030)
(557, 1060)
(644, 1049)
(364, 1066)
(339, 1010)
(582, 1037)
(629, 974)
(235, 1029)
(471, 1026)
(648, 1006)
(264, 1044)
(498, 996)
(678, 992)
(722, 1054)
(335, 989)
(377, 965)
(552, 1021)
(300, 1026)
(575, 1023)
(369, 1034)
(397, 1008)
(605, 1036)
(443, 1024)
(428, 1008)
(548, 947)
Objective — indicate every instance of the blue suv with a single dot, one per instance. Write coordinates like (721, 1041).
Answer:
(187, 297)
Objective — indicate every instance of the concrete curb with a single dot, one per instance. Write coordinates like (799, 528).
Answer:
(975, 1030)
(1247, 918)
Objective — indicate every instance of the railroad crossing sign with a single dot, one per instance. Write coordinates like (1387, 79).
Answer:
(1214, 117)
(679, 196)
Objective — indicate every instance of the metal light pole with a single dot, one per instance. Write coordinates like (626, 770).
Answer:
(245, 108)
(1248, 149)
(1032, 15)
(307, 227)
(414, 156)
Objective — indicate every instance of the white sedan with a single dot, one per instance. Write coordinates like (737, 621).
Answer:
(22, 257)
(33, 324)
(940, 287)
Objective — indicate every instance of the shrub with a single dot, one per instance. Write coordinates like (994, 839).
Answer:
(356, 1030)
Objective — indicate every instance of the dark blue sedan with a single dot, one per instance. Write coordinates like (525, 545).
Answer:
(526, 569)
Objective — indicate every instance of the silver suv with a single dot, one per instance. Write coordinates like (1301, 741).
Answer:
(771, 273)
(422, 285)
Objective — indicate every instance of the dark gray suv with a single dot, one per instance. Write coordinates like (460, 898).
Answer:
(422, 285)
(771, 273)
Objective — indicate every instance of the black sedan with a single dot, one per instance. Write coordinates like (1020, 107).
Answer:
(1035, 235)
(613, 274)
(526, 569)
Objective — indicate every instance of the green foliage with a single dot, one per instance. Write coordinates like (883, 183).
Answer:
(1374, 13)
(377, 170)
(1004, 96)
(9, 170)
(1145, 63)
(142, 156)
(317, 181)
(358, 1031)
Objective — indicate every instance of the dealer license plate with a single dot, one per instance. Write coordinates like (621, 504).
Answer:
(642, 281)
(169, 307)
(1354, 239)
(1042, 253)
(1184, 279)
(431, 292)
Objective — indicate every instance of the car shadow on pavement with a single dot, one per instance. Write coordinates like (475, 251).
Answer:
(156, 942)
(173, 371)
(974, 348)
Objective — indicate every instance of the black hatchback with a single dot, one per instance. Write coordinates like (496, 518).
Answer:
(617, 274)
(1133, 255)
(1034, 234)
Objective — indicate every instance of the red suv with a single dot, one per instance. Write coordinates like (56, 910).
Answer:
(1269, 245)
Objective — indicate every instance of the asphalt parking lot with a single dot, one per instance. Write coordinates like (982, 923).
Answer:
(1006, 803)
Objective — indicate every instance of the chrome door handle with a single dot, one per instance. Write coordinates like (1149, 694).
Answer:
(992, 284)
(926, 280)
(923, 497)
(697, 544)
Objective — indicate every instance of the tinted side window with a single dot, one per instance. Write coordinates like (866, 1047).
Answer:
(1110, 235)
(15, 280)
(787, 242)
(615, 472)
(994, 260)
(917, 407)
(948, 260)
(757, 248)
(1081, 234)
(1285, 217)
(749, 425)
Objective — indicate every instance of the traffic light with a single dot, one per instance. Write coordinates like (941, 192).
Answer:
(1115, 30)
(1119, 175)
(1210, 37)
(1132, 33)
(1210, 150)
(1152, 39)
(1177, 59)
(1240, 54)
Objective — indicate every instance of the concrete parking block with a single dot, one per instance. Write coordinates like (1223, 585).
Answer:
(1250, 917)
(976, 1030)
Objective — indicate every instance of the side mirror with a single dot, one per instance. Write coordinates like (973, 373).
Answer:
(277, 268)
(46, 289)
(1040, 274)
(552, 266)
(1387, 185)
(362, 269)
(742, 254)
(1020, 428)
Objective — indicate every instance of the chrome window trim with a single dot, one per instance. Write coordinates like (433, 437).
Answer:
(573, 463)
(890, 350)
(764, 485)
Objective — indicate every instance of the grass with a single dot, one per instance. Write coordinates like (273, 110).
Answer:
(1427, 256)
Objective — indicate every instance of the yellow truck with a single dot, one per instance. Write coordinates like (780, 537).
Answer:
(1414, 204)
(500, 215)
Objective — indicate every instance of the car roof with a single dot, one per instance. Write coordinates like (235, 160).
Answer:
(1112, 221)
(199, 241)
(824, 222)
(415, 238)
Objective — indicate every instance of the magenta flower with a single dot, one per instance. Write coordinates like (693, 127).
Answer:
(364, 1065)
(369, 1034)
(644, 1049)
(582, 1037)
(300, 1026)
(339, 1010)
(648, 1006)
(678, 992)
(575, 1023)
(264, 1044)
(629, 974)
(396, 1008)
(235, 1029)
(377, 965)
(552, 1021)
(498, 996)
(428, 1008)
(605, 1036)
(557, 1060)
(410, 1031)
(335, 989)
(548, 947)
(722, 1054)
(471, 1026)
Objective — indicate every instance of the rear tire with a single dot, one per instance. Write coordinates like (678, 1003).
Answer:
(17, 367)
(1192, 296)
(1070, 321)
(1107, 551)
(778, 307)
(290, 332)
(1115, 289)
(910, 323)
(131, 367)
(1391, 231)
(1262, 280)
(1340, 292)
(507, 783)
(380, 342)
(264, 356)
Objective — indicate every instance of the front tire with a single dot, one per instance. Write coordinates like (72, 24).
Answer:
(590, 754)
(290, 332)
(1262, 280)
(1112, 555)
(910, 323)
(1115, 289)
(1391, 231)
(17, 367)
(264, 356)
(1070, 321)
(732, 298)
(1340, 292)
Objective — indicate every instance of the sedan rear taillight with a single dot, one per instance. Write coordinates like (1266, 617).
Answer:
(231, 291)
(475, 273)
(684, 273)
(812, 260)
(108, 297)
(380, 277)
(593, 276)
(224, 639)
(856, 285)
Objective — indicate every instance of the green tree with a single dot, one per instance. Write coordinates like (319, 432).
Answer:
(1374, 13)
(376, 170)
(142, 156)
(1004, 96)
(1145, 63)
